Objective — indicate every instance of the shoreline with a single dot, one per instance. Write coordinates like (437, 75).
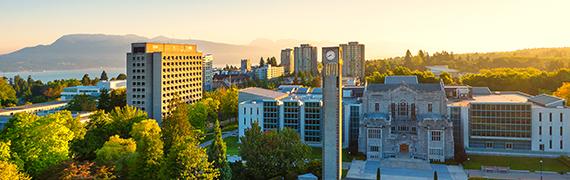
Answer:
(34, 71)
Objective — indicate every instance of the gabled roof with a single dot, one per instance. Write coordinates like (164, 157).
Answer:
(481, 91)
(544, 99)
(418, 87)
(302, 91)
(317, 91)
(400, 79)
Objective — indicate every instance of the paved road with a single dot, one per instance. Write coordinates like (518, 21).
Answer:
(231, 133)
(516, 175)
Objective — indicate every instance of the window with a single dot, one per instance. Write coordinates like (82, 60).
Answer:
(374, 133)
(560, 117)
(550, 144)
(540, 117)
(539, 130)
(436, 135)
(393, 128)
(244, 121)
(489, 145)
(377, 107)
(541, 147)
(509, 146)
(250, 110)
(374, 148)
(437, 152)
(551, 130)
(257, 111)
(430, 107)
(560, 130)
(403, 109)
(244, 110)
(550, 117)
(561, 147)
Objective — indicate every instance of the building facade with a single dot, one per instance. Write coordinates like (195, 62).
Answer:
(269, 72)
(354, 60)
(245, 65)
(288, 60)
(405, 120)
(207, 72)
(156, 72)
(305, 59)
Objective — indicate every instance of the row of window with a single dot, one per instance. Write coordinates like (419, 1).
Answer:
(139, 83)
(197, 75)
(540, 130)
(436, 136)
(182, 58)
(541, 146)
(138, 70)
(475, 106)
(193, 88)
(502, 121)
(138, 64)
(540, 117)
(374, 134)
(138, 77)
(182, 69)
(138, 58)
(136, 90)
(500, 114)
(139, 96)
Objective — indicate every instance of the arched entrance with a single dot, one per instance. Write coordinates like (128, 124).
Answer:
(404, 148)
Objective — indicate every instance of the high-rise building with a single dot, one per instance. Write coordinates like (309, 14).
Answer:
(156, 72)
(245, 65)
(332, 104)
(353, 60)
(288, 60)
(207, 72)
(306, 59)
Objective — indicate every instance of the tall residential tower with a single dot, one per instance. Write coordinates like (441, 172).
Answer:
(306, 59)
(353, 60)
(288, 60)
(207, 71)
(245, 65)
(332, 101)
(156, 72)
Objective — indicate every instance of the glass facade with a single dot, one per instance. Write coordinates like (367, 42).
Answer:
(455, 117)
(270, 115)
(313, 122)
(354, 123)
(291, 116)
(499, 124)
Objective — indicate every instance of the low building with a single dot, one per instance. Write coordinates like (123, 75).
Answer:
(70, 92)
(42, 108)
(438, 69)
(112, 85)
(269, 72)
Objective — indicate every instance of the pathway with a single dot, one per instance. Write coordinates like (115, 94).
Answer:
(516, 175)
(231, 133)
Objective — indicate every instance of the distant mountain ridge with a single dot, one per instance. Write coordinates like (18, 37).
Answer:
(84, 51)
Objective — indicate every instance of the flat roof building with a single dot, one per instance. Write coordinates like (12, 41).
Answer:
(156, 72)
(306, 59)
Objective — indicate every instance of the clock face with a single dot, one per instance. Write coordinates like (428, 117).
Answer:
(330, 55)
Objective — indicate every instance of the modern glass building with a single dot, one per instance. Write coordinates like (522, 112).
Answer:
(271, 115)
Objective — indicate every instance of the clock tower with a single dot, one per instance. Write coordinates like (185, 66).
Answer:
(332, 113)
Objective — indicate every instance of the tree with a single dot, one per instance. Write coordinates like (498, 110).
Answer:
(459, 154)
(124, 118)
(378, 174)
(176, 123)
(7, 94)
(187, 160)
(316, 82)
(148, 155)
(104, 76)
(86, 80)
(296, 80)
(76, 170)
(39, 141)
(435, 175)
(261, 62)
(82, 102)
(100, 129)
(118, 98)
(105, 101)
(11, 171)
(408, 60)
(446, 77)
(555, 65)
(122, 76)
(272, 153)
(563, 91)
(118, 152)
(217, 154)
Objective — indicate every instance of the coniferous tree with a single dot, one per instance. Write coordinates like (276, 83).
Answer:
(104, 76)
(217, 154)
(85, 80)
(408, 59)
(296, 80)
(378, 174)
(176, 124)
(261, 62)
(122, 76)
(105, 101)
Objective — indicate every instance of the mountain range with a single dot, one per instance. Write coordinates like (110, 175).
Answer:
(86, 51)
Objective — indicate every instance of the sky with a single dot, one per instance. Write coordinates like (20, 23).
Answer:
(451, 25)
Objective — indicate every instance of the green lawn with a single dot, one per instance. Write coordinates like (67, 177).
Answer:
(232, 145)
(344, 172)
(230, 126)
(207, 138)
(516, 163)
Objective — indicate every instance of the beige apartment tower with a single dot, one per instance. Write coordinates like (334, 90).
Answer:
(332, 123)
(288, 60)
(306, 59)
(353, 60)
(156, 72)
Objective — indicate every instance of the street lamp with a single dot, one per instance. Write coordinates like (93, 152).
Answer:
(540, 169)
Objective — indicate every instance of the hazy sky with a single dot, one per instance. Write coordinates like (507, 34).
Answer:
(452, 25)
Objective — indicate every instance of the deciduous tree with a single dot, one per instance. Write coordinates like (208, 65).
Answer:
(149, 153)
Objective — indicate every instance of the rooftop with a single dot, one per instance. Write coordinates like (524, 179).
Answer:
(419, 87)
(545, 99)
(481, 91)
(33, 106)
(503, 97)
(400, 79)
(264, 92)
(441, 68)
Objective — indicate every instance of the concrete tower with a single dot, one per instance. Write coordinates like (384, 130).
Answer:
(332, 125)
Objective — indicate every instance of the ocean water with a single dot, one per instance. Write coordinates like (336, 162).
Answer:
(66, 74)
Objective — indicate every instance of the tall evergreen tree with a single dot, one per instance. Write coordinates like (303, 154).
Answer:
(104, 76)
(408, 60)
(86, 80)
(217, 154)
(105, 101)
(261, 62)
(176, 124)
